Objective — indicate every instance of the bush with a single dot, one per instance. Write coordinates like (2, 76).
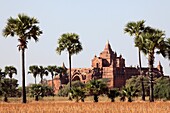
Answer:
(66, 89)
(39, 90)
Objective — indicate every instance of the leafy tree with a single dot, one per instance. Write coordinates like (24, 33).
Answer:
(162, 88)
(10, 70)
(153, 41)
(2, 74)
(25, 28)
(96, 88)
(48, 91)
(71, 43)
(6, 88)
(34, 70)
(135, 82)
(112, 94)
(136, 29)
(36, 90)
(65, 90)
(78, 93)
(42, 71)
(129, 92)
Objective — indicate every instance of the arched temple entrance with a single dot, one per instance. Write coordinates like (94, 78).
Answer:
(76, 78)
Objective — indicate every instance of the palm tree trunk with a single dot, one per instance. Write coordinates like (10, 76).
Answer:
(23, 77)
(140, 65)
(140, 68)
(41, 79)
(35, 81)
(70, 69)
(11, 86)
(151, 60)
(52, 83)
(35, 78)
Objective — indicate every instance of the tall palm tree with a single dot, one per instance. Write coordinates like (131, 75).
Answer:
(25, 28)
(52, 70)
(42, 71)
(136, 29)
(69, 42)
(34, 70)
(153, 41)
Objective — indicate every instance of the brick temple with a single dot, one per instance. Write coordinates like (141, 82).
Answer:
(107, 65)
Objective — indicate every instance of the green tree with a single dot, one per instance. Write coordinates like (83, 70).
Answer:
(96, 88)
(6, 88)
(65, 90)
(25, 28)
(129, 92)
(2, 74)
(34, 70)
(71, 43)
(36, 90)
(135, 82)
(136, 29)
(78, 93)
(112, 94)
(153, 41)
(42, 71)
(10, 70)
(162, 88)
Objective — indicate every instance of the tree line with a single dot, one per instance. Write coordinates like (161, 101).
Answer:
(132, 89)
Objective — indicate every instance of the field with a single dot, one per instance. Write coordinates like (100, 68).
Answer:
(63, 106)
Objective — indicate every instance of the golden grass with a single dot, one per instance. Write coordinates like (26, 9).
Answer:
(86, 107)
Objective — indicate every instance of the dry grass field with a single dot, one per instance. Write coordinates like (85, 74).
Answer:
(63, 106)
(87, 107)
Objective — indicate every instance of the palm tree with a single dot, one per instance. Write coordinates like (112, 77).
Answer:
(96, 88)
(60, 71)
(78, 93)
(34, 70)
(25, 28)
(42, 71)
(153, 41)
(2, 74)
(136, 29)
(71, 43)
(129, 92)
(112, 94)
(10, 70)
(52, 70)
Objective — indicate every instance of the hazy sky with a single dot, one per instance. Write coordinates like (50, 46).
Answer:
(96, 21)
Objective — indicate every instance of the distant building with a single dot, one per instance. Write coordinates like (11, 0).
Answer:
(109, 66)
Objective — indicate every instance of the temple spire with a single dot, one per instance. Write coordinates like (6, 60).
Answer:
(107, 46)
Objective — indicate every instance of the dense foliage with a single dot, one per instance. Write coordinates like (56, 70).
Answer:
(162, 88)
(9, 88)
(136, 82)
(39, 90)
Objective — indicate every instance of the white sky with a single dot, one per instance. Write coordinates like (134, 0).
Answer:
(96, 21)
